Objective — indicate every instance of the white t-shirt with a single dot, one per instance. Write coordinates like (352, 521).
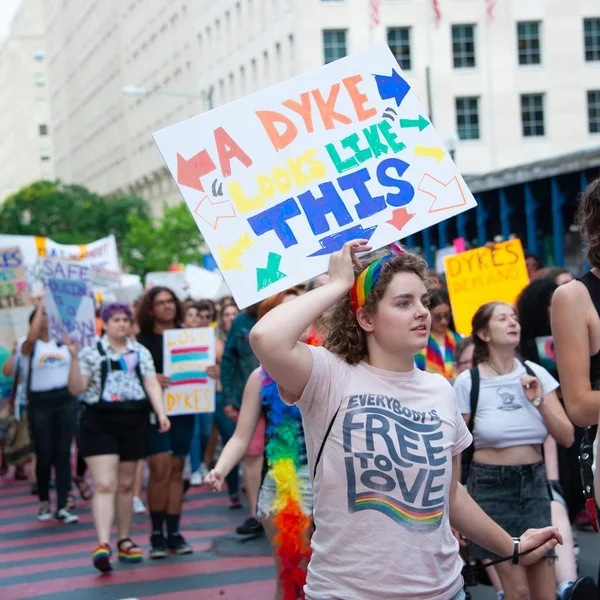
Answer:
(504, 416)
(382, 487)
(50, 366)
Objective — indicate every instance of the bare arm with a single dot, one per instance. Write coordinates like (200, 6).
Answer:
(471, 521)
(154, 392)
(8, 368)
(77, 382)
(34, 330)
(572, 345)
(551, 458)
(556, 420)
(236, 447)
(274, 338)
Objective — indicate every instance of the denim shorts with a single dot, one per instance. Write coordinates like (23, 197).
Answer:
(515, 497)
(268, 493)
(176, 441)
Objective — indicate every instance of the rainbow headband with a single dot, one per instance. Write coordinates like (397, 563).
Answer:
(368, 278)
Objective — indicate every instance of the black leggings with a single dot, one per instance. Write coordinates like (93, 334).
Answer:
(53, 419)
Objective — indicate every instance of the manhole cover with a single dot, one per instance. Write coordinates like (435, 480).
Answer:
(236, 545)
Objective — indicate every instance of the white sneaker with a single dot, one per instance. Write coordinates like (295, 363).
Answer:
(204, 471)
(44, 513)
(138, 506)
(64, 515)
(196, 478)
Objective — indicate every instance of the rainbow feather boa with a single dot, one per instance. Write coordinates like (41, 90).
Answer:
(283, 458)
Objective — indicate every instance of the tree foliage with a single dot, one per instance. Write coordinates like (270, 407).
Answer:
(69, 214)
(152, 246)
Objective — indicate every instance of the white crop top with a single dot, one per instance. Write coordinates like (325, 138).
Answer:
(504, 416)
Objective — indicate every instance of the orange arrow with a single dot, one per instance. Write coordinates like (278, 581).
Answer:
(400, 217)
(189, 171)
(445, 195)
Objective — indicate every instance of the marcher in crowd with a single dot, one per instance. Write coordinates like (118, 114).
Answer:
(118, 382)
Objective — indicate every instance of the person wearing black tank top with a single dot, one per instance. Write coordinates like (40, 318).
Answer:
(575, 317)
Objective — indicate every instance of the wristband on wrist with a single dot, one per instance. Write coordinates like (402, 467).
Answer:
(515, 557)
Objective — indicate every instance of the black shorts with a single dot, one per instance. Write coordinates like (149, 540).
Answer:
(104, 431)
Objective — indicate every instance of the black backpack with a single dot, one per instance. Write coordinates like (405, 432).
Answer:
(467, 455)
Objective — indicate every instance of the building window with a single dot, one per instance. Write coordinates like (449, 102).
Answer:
(528, 43)
(40, 80)
(467, 118)
(45, 155)
(593, 98)
(398, 39)
(463, 46)
(532, 114)
(38, 55)
(334, 44)
(591, 37)
(43, 129)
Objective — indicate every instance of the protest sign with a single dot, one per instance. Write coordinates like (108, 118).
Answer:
(14, 289)
(202, 283)
(69, 301)
(187, 353)
(101, 254)
(174, 281)
(440, 255)
(281, 179)
(103, 278)
(484, 275)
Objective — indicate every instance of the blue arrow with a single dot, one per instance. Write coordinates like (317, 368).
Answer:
(335, 242)
(392, 86)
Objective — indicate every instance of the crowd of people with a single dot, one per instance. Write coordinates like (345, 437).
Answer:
(364, 427)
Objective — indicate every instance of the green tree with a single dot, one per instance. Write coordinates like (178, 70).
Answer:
(154, 246)
(69, 214)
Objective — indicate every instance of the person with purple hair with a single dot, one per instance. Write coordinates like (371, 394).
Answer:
(116, 381)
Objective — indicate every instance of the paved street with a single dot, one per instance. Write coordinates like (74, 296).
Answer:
(50, 561)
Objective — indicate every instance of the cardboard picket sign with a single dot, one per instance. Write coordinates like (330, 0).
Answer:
(14, 289)
(69, 301)
(483, 275)
(186, 355)
(281, 179)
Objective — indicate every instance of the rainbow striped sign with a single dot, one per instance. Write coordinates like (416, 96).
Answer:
(187, 355)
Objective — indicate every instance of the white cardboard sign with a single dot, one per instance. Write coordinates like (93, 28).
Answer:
(279, 180)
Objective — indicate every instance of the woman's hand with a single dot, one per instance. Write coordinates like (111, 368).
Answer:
(341, 263)
(73, 347)
(231, 412)
(543, 540)
(214, 372)
(163, 423)
(214, 480)
(164, 380)
(532, 387)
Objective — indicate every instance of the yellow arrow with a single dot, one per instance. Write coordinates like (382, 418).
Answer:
(229, 257)
(436, 152)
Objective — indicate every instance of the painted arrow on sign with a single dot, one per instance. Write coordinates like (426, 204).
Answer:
(392, 86)
(421, 123)
(335, 242)
(229, 257)
(271, 273)
(427, 151)
(445, 195)
(190, 170)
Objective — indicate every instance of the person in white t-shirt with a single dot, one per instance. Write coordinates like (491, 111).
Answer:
(517, 407)
(383, 438)
(52, 412)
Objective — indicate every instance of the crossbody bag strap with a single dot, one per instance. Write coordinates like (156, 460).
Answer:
(28, 386)
(103, 369)
(474, 396)
(319, 454)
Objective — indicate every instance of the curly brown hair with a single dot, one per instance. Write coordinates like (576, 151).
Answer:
(143, 313)
(345, 337)
(587, 218)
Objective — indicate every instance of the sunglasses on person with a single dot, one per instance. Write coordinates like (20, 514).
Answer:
(442, 316)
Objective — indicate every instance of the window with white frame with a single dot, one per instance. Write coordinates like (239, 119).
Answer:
(528, 43)
(467, 117)
(398, 39)
(334, 44)
(463, 46)
(532, 115)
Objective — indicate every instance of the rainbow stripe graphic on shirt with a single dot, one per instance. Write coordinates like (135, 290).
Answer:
(419, 519)
(188, 377)
(51, 359)
(179, 355)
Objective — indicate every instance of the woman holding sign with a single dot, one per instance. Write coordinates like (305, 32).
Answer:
(118, 382)
(383, 438)
(52, 412)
